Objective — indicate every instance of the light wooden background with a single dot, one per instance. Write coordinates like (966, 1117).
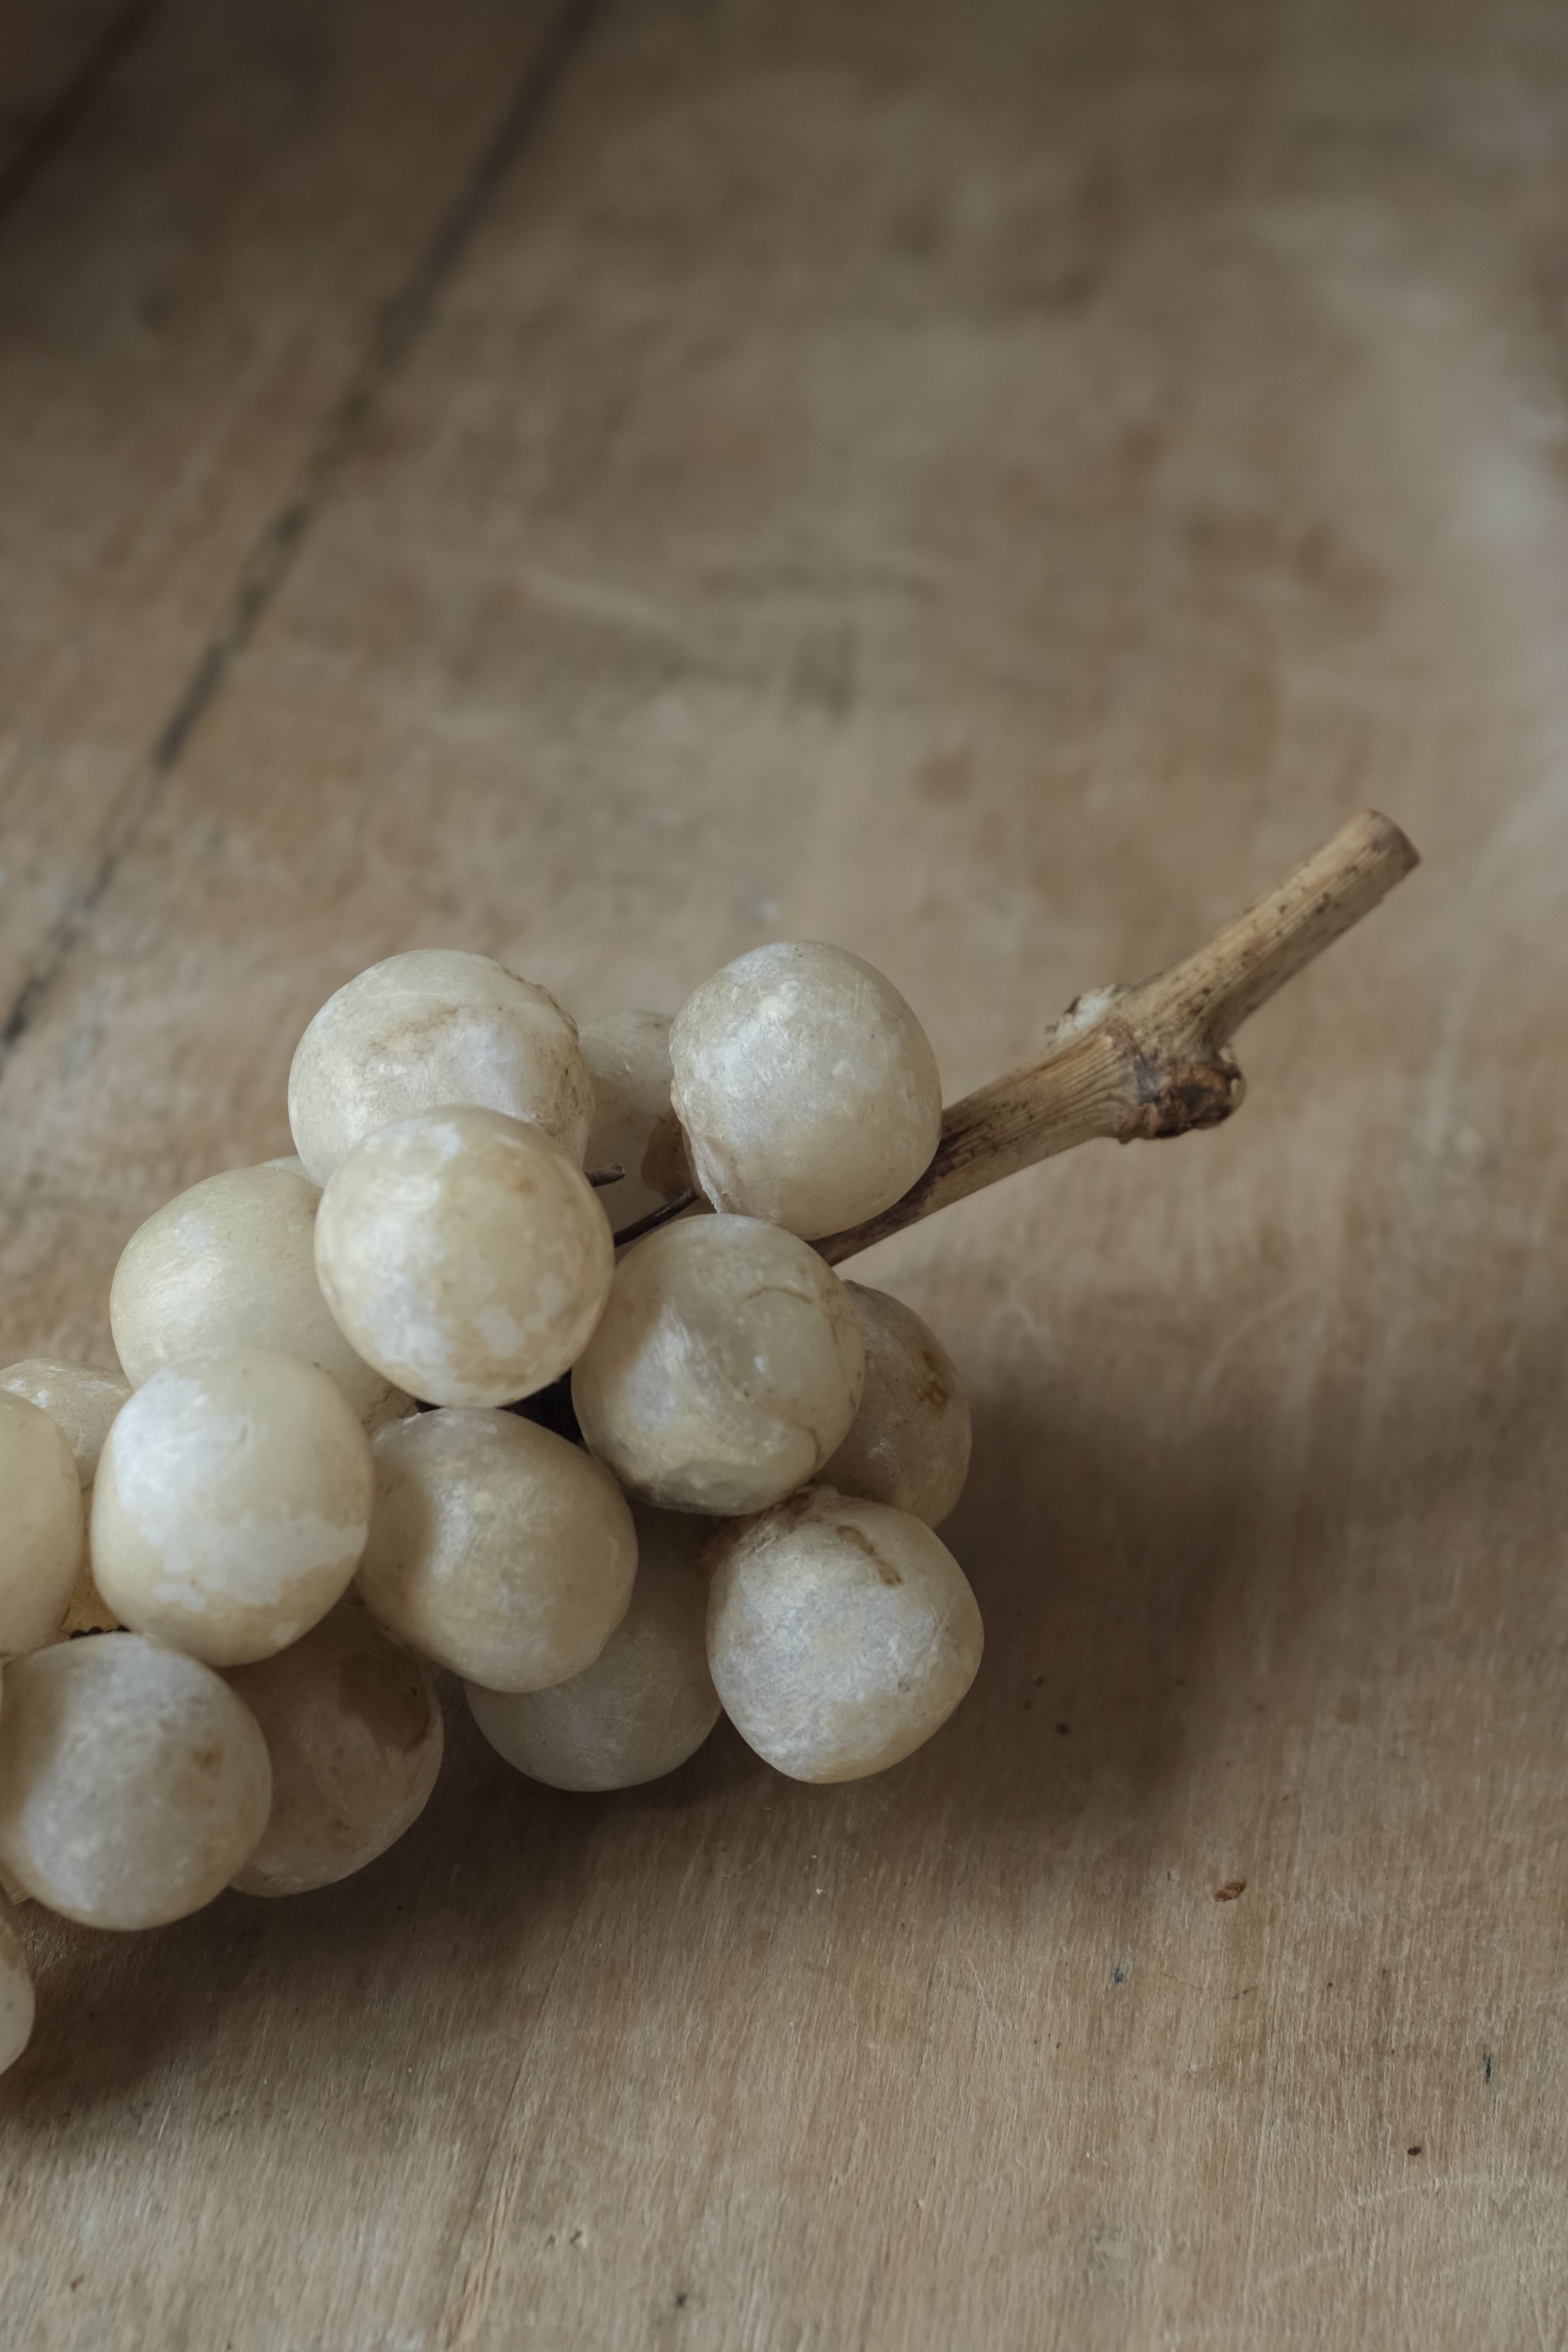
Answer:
(991, 484)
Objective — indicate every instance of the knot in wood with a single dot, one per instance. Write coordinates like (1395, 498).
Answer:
(1176, 1095)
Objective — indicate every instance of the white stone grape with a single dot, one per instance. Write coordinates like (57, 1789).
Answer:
(132, 1782)
(232, 1504)
(807, 1089)
(232, 1263)
(648, 1701)
(725, 1370)
(353, 1728)
(496, 1548)
(16, 2003)
(635, 1128)
(909, 1444)
(465, 1255)
(80, 1400)
(435, 1026)
(841, 1634)
(40, 1524)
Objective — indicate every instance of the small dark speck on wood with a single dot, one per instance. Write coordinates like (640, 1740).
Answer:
(1230, 1890)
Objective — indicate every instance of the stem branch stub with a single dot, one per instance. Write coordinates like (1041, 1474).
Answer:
(1151, 1060)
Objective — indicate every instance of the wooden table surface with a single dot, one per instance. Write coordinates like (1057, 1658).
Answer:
(992, 485)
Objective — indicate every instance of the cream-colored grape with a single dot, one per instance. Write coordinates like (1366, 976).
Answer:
(648, 1701)
(909, 1444)
(80, 1400)
(841, 1634)
(496, 1548)
(465, 1255)
(17, 2005)
(725, 1370)
(232, 1263)
(807, 1089)
(40, 1524)
(132, 1782)
(232, 1504)
(353, 1728)
(627, 1055)
(436, 1026)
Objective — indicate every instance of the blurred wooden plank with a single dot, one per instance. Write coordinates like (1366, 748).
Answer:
(993, 487)
(191, 290)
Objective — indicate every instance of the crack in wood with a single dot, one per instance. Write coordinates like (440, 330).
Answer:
(58, 122)
(398, 325)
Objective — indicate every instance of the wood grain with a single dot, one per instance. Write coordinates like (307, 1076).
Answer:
(992, 485)
(199, 286)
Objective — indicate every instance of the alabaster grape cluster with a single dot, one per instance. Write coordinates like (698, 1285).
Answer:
(339, 1453)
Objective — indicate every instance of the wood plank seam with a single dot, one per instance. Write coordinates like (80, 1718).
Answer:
(399, 323)
(58, 122)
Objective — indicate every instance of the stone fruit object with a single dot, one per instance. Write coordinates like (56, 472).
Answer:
(232, 1263)
(133, 1783)
(807, 1089)
(437, 1025)
(354, 1729)
(232, 1504)
(40, 1533)
(80, 1400)
(634, 1129)
(841, 1634)
(802, 1434)
(909, 1444)
(464, 1255)
(648, 1701)
(16, 2003)
(495, 1548)
(725, 1369)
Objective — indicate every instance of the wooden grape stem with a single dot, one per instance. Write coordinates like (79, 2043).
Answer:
(1147, 1061)
(1124, 1062)
(1154, 1059)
